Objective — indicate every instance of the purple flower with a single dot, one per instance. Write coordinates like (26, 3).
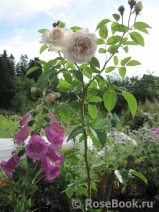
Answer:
(10, 165)
(157, 132)
(25, 119)
(36, 147)
(51, 171)
(55, 138)
(54, 157)
(22, 135)
(57, 127)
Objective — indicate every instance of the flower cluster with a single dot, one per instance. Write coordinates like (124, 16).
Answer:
(37, 148)
(78, 47)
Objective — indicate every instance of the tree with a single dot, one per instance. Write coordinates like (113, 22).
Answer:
(7, 71)
(35, 75)
(22, 66)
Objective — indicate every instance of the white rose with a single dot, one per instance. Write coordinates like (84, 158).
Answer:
(81, 46)
(57, 38)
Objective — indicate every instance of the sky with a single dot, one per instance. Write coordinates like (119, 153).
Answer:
(20, 21)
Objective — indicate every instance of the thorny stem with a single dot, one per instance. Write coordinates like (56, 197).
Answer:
(85, 138)
(85, 144)
(40, 111)
(107, 190)
(122, 19)
(129, 17)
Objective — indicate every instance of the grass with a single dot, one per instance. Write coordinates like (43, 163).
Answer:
(8, 127)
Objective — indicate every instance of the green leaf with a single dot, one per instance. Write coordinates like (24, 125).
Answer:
(75, 28)
(75, 83)
(87, 72)
(116, 17)
(75, 104)
(113, 24)
(75, 132)
(67, 76)
(100, 41)
(139, 175)
(31, 70)
(119, 27)
(132, 103)
(103, 22)
(103, 32)
(49, 64)
(65, 115)
(95, 99)
(78, 74)
(91, 92)
(113, 39)
(101, 81)
(122, 176)
(133, 63)
(113, 49)
(42, 30)
(125, 60)
(93, 85)
(101, 50)
(63, 86)
(69, 192)
(109, 69)
(95, 62)
(137, 38)
(126, 49)
(110, 99)
(122, 71)
(141, 26)
(41, 62)
(116, 61)
(42, 48)
(129, 42)
(43, 80)
(73, 160)
(83, 191)
(93, 135)
(70, 66)
(102, 136)
(61, 25)
(92, 110)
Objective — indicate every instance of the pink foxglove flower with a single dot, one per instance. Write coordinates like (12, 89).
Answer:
(25, 119)
(51, 116)
(10, 165)
(54, 157)
(36, 148)
(22, 135)
(54, 138)
(51, 171)
(57, 127)
(157, 132)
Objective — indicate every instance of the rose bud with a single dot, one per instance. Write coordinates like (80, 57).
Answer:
(138, 7)
(121, 9)
(50, 97)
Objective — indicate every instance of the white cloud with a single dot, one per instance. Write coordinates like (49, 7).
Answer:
(24, 9)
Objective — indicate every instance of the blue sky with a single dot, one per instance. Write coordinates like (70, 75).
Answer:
(21, 19)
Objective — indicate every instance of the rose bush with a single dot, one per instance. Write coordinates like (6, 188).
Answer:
(78, 47)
